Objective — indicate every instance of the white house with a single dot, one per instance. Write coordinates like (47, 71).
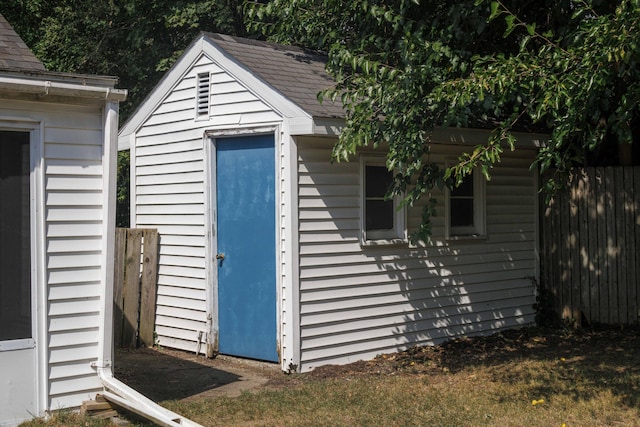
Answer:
(270, 251)
(58, 145)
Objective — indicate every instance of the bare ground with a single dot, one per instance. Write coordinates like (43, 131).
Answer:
(163, 374)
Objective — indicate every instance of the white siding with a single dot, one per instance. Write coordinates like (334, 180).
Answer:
(73, 244)
(74, 229)
(169, 188)
(358, 302)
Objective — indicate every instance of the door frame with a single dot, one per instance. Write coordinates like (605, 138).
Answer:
(211, 246)
(38, 339)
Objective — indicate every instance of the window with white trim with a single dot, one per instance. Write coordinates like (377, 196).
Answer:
(466, 206)
(381, 220)
(203, 87)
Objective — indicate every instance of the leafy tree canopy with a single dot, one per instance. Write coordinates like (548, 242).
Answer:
(404, 67)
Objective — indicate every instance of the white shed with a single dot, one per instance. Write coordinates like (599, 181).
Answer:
(58, 145)
(270, 251)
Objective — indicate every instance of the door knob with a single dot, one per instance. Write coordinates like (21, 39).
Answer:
(220, 256)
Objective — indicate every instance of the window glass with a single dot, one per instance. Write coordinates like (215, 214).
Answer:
(379, 213)
(465, 189)
(461, 203)
(462, 212)
(15, 252)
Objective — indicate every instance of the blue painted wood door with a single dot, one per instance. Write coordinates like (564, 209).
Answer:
(245, 197)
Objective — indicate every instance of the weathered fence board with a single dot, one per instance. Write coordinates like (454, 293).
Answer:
(118, 283)
(148, 289)
(131, 290)
(136, 260)
(591, 247)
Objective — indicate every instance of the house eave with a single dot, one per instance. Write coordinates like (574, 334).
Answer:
(469, 136)
(82, 79)
(45, 87)
(328, 126)
(333, 127)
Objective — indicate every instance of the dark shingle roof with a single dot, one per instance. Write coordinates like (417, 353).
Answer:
(14, 53)
(298, 74)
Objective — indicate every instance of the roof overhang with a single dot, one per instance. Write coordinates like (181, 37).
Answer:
(469, 136)
(328, 127)
(60, 85)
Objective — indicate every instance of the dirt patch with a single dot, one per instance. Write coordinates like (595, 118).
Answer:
(163, 374)
(507, 346)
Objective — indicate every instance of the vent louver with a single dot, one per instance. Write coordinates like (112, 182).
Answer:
(204, 84)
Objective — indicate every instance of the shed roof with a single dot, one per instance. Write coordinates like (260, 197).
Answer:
(296, 73)
(14, 53)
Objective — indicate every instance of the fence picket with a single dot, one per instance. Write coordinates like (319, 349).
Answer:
(636, 249)
(628, 252)
(118, 285)
(612, 268)
(131, 290)
(592, 255)
(582, 247)
(148, 289)
(601, 266)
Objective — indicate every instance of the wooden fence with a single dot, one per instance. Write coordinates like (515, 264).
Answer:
(591, 247)
(135, 281)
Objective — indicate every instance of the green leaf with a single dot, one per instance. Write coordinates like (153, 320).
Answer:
(525, 41)
(495, 12)
(531, 29)
(510, 20)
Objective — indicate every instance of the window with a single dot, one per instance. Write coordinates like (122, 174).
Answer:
(465, 207)
(15, 236)
(381, 220)
(202, 97)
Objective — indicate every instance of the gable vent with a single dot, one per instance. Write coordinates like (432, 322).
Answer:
(204, 85)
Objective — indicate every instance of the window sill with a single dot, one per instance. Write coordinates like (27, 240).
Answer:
(467, 237)
(383, 242)
(19, 344)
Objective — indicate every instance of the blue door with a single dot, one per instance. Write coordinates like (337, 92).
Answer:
(245, 196)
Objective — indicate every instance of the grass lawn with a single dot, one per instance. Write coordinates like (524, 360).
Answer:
(528, 377)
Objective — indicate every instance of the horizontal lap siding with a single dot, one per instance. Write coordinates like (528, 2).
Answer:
(73, 243)
(170, 185)
(356, 303)
(170, 197)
